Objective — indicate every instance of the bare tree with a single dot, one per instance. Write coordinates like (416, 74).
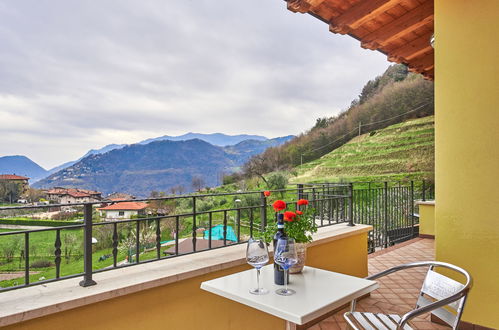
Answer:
(197, 183)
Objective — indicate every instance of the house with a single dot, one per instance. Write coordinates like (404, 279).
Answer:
(72, 195)
(123, 210)
(4, 178)
(14, 186)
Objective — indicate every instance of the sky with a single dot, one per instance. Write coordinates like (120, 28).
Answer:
(78, 75)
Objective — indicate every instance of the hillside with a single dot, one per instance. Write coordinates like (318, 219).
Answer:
(391, 98)
(401, 151)
(22, 165)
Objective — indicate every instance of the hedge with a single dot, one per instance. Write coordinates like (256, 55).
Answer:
(34, 222)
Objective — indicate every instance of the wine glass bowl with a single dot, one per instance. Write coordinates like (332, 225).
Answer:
(285, 256)
(257, 256)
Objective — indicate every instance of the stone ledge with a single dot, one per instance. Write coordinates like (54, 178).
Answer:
(37, 301)
(425, 203)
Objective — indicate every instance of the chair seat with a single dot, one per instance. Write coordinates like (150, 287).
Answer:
(359, 320)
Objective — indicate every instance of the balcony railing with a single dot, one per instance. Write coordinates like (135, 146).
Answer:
(167, 230)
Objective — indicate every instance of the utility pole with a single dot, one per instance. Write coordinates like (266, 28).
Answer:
(360, 125)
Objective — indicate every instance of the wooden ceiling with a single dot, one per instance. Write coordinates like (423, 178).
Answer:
(401, 29)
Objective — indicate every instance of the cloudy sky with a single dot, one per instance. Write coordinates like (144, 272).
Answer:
(76, 75)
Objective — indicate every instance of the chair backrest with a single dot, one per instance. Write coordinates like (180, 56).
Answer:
(438, 287)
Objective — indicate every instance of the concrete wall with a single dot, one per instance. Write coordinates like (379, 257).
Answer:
(427, 218)
(467, 148)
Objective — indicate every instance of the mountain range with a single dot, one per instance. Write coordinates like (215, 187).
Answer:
(160, 165)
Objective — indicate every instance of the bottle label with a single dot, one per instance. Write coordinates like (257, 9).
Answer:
(280, 226)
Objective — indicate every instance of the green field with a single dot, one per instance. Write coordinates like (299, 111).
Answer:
(404, 151)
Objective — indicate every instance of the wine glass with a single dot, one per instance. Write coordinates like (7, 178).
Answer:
(285, 256)
(257, 256)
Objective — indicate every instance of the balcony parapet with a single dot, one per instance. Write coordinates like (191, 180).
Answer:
(43, 300)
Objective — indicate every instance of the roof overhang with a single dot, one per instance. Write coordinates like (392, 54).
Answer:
(400, 29)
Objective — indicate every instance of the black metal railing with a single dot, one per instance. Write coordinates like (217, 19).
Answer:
(160, 235)
(181, 225)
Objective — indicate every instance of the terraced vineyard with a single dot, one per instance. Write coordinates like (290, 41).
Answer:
(404, 151)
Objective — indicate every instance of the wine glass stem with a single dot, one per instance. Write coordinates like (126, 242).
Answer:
(258, 279)
(285, 280)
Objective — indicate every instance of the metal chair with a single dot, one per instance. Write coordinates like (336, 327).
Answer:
(437, 291)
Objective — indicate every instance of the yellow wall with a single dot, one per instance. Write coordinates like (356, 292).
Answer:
(183, 305)
(467, 147)
(427, 219)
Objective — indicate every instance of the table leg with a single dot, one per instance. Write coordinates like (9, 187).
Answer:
(291, 326)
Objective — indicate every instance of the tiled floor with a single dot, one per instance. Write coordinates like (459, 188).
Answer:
(398, 292)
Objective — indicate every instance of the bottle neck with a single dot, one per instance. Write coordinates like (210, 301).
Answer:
(280, 222)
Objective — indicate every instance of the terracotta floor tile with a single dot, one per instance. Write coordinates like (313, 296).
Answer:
(398, 292)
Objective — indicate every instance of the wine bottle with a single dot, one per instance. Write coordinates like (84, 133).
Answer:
(278, 270)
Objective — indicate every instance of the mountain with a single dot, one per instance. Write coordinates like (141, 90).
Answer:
(138, 169)
(403, 151)
(102, 150)
(22, 165)
(244, 150)
(217, 139)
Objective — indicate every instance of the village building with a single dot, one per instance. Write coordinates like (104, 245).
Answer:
(16, 179)
(117, 196)
(73, 195)
(124, 210)
(12, 187)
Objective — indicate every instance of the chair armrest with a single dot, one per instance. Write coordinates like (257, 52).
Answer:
(395, 269)
(434, 305)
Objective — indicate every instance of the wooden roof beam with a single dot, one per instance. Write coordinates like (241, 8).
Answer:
(424, 63)
(358, 14)
(298, 6)
(412, 49)
(406, 23)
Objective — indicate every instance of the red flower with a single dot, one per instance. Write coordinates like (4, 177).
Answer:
(289, 216)
(299, 212)
(279, 205)
(302, 202)
(266, 193)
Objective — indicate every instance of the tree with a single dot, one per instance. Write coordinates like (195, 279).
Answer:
(197, 183)
(34, 195)
(10, 191)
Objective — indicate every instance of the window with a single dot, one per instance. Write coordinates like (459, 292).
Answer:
(121, 213)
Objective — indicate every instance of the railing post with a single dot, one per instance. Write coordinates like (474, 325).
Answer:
(87, 243)
(263, 211)
(385, 214)
(412, 208)
(350, 210)
(194, 223)
(300, 191)
(424, 193)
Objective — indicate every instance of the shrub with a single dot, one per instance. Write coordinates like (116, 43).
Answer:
(41, 264)
(34, 222)
(277, 181)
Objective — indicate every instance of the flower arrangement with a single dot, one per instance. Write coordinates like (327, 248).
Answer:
(299, 224)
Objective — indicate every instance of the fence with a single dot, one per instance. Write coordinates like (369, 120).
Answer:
(181, 225)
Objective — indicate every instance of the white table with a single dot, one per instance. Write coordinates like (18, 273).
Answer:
(318, 292)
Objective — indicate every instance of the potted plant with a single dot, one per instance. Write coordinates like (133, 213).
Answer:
(298, 224)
